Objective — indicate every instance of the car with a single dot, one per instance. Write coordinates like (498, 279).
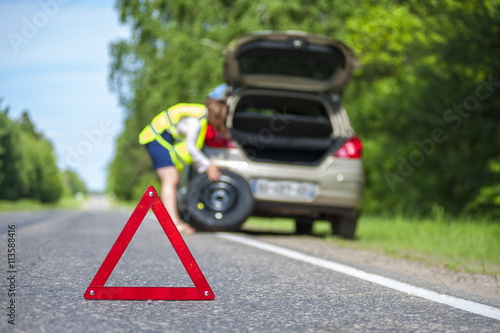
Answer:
(292, 151)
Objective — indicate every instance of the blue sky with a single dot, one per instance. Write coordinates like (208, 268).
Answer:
(54, 62)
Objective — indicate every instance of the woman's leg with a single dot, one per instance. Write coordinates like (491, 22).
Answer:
(169, 178)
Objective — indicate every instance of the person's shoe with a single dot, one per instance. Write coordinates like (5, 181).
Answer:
(185, 228)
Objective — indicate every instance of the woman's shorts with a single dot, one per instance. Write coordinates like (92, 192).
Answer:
(159, 154)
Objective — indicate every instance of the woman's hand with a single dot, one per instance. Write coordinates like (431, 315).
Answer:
(213, 172)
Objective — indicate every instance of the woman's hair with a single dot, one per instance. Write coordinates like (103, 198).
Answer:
(217, 114)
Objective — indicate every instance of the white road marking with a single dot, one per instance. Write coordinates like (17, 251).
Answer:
(473, 307)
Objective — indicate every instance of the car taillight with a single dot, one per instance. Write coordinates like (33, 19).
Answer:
(350, 149)
(214, 139)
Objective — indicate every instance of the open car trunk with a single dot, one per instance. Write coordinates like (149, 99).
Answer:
(290, 60)
(282, 129)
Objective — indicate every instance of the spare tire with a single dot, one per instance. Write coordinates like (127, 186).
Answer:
(219, 206)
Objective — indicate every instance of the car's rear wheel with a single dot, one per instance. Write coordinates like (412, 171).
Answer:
(219, 206)
(344, 226)
(304, 225)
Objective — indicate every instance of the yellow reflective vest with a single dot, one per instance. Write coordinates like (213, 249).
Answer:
(166, 121)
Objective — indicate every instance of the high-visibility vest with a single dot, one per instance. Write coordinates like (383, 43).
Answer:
(166, 121)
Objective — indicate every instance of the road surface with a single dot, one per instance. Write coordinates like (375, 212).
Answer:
(257, 288)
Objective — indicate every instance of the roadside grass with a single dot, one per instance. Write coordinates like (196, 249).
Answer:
(33, 205)
(460, 245)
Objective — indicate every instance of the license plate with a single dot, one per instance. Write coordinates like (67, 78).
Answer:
(283, 188)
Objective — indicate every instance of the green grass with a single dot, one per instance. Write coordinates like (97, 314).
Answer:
(458, 245)
(32, 205)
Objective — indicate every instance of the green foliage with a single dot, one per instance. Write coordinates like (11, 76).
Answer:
(10, 157)
(39, 172)
(174, 56)
(28, 166)
(425, 101)
(488, 199)
(72, 183)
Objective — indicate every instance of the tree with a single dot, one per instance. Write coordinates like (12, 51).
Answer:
(10, 157)
(425, 101)
(73, 184)
(174, 56)
(28, 166)
(428, 134)
(39, 172)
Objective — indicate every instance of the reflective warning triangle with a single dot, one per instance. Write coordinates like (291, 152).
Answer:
(201, 289)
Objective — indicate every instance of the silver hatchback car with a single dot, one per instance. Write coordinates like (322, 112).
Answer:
(292, 152)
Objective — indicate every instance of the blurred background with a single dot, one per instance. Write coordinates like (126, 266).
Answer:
(54, 64)
(79, 80)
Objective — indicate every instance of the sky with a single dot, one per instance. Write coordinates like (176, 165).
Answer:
(54, 63)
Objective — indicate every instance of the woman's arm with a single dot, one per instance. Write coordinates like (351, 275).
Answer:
(190, 127)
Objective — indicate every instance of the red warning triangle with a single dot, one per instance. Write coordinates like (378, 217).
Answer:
(201, 289)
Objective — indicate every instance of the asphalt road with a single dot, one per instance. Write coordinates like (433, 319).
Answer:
(57, 254)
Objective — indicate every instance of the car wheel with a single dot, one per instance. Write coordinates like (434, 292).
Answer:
(304, 225)
(219, 206)
(344, 226)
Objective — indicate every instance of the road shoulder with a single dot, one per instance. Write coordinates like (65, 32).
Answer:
(472, 283)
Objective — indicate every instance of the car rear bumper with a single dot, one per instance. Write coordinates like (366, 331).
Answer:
(338, 183)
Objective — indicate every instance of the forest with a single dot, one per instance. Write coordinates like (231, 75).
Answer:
(425, 100)
(28, 167)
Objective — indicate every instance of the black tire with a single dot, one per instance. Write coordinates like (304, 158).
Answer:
(344, 226)
(219, 206)
(304, 225)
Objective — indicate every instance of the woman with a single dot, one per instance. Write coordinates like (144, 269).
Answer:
(174, 139)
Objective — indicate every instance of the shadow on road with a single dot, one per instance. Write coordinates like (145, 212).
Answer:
(264, 232)
(267, 233)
